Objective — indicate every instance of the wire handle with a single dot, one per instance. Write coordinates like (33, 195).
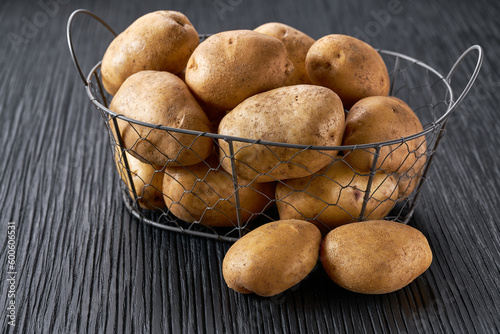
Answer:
(70, 39)
(473, 77)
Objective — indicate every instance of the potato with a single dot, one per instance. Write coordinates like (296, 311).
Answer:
(272, 258)
(350, 67)
(382, 118)
(161, 98)
(230, 66)
(296, 43)
(287, 115)
(205, 193)
(375, 257)
(146, 179)
(334, 196)
(161, 40)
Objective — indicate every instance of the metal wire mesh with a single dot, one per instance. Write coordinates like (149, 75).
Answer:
(211, 199)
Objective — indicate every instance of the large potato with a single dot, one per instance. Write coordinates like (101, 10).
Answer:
(161, 40)
(375, 257)
(161, 98)
(296, 43)
(147, 180)
(230, 66)
(334, 196)
(205, 193)
(272, 258)
(301, 114)
(382, 118)
(350, 67)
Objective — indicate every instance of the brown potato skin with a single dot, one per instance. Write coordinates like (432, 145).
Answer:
(272, 258)
(161, 98)
(334, 196)
(230, 66)
(147, 180)
(375, 257)
(286, 115)
(382, 118)
(205, 193)
(161, 40)
(350, 67)
(296, 43)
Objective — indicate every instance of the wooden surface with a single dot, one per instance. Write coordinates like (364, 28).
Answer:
(85, 265)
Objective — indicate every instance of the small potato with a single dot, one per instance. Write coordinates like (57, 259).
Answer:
(285, 115)
(230, 66)
(334, 196)
(205, 193)
(161, 40)
(382, 118)
(348, 66)
(146, 179)
(272, 258)
(161, 98)
(296, 43)
(375, 257)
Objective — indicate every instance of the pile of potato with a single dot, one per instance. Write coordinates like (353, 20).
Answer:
(273, 84)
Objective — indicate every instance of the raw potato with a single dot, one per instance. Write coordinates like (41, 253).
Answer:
(205, 193)
(375, 257)
(335, 195)
(296, 43)
(161, 40)
(147, 181)
(272, 258)
(382, 118)
(161, 98)
(287, 115)
(350, 67)
(231, 66)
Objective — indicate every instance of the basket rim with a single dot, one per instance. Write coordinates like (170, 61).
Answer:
(430, 127)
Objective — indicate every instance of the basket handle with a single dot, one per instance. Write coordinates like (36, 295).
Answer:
(70, 39)
(473, 77)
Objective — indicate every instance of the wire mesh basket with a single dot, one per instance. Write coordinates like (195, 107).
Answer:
(211, 199)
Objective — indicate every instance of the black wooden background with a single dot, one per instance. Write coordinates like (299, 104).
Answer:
(85, 265)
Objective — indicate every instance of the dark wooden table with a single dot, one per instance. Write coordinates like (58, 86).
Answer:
(83, 264)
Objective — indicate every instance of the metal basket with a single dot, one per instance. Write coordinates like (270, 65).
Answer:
(423, 88)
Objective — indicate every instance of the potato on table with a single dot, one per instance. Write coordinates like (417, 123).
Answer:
(300, 115)
(350, 67)
(296, 43)
(161, 40)
(161, 98)
(375, 257)
(272, 258)
(232, 65)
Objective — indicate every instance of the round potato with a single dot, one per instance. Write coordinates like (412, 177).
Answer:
(272, 258)
(161, 98)
(230, 66)
(335, 195)
(375, 257)
(147, 180)
(161, 40)
(296, 43)
(285, 115)
(350, 67)
(381, 118)
(205, 193)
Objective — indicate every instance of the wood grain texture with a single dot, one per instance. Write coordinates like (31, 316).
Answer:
(85, 265)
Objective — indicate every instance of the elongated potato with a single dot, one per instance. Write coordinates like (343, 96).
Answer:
(375, 257)
(335, 195)
(161, 98)
(296, 43)
(272, 258)
(286, 115)
(161, 41)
